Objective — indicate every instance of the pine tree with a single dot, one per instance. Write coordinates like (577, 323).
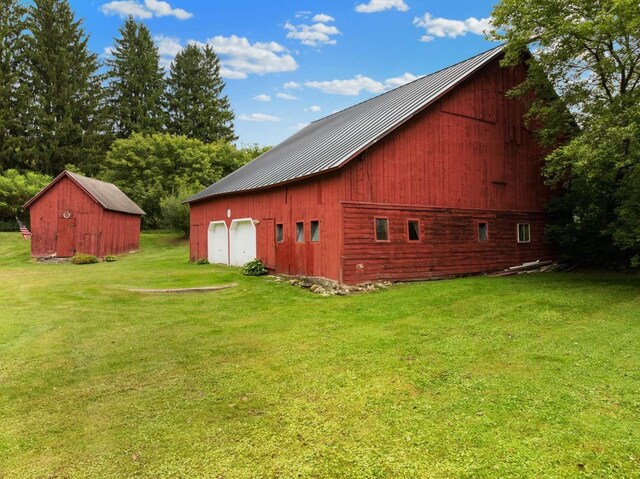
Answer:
(136, 82)
(65, 91)
(197, 108)
(13, 100)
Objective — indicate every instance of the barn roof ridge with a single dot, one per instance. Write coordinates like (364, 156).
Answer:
(106, 194)
(332, 141)
(421, 77)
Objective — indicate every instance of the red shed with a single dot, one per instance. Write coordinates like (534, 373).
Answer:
(76, 214)
(437, 177)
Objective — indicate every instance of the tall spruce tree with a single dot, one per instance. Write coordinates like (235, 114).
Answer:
(65, 91)
(13, 99)
(136, 82)
(196, 106)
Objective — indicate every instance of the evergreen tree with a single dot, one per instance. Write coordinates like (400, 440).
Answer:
(13, 100)
(197, 108)
(137, 83)
(64, 89)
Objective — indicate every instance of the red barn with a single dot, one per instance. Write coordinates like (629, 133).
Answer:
(76, 214)
(437, 177)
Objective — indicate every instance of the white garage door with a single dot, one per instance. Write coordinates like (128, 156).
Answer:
(242, 242)
(218, 248)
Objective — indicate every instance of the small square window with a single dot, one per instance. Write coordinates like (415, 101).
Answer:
(315, 231)
(279, 233)
(413, 230)
(300, 232)
(483, 231)
(382, 229)
(524, 233)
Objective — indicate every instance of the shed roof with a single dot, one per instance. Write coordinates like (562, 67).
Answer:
(106, 194)
(331, 142)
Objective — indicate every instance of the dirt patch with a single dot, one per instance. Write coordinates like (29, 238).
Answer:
(327, 287)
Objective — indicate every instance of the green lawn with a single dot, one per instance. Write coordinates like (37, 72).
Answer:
(525, 376)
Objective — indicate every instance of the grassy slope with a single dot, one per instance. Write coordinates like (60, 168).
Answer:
(527, 376)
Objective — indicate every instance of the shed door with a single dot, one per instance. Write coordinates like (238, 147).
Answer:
(65, 237)
(218, 243)
(242, 242)
(267, 237)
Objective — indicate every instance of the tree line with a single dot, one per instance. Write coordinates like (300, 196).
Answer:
(62, 107)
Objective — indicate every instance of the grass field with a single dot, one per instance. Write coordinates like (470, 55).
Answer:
(526, 376)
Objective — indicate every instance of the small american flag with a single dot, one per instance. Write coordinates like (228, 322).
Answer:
(26, 234)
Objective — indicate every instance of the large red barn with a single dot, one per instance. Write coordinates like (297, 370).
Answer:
(76, 214)
(437, 177)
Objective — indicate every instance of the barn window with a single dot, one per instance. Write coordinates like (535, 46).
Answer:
(279, 232)
(483, 231)
(300, 232)
(524, 233)
(315, 231)
(413, 230)
(382, 229)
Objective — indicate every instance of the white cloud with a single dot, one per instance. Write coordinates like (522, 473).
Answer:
(323, 18)
(382, 5)
(144, 10)
(240, 58)
(313, 35)
(302, 14)
(167, 46)
(292, 85)
(262, 98)
(286, 96)
(314, 108)
(445, 27)
(358, 84)
(299, 126)
(258, 117)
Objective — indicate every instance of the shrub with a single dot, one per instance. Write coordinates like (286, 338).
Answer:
(254, 268)
(110, 258)
(81, 258)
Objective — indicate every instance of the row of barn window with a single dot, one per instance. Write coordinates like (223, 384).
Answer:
(413, 230)
(382, 231)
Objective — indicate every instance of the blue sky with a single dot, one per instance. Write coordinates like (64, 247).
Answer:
(287, 63)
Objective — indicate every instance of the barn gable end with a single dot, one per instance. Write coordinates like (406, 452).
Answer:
(69, 216)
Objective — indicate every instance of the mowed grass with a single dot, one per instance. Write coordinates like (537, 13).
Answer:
(525, 376)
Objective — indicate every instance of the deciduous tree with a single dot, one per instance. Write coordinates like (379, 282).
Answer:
(588, 51)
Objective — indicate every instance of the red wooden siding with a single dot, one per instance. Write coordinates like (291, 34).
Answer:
(304, 201)
(89, 229)
(464, 158)
(448, 242)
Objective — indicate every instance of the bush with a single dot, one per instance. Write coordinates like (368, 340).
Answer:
(110, 258)
(81, 258)
(15, 190)
(174, 215)
(254, 268)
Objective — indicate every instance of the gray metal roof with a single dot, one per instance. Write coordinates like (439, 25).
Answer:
(107, 194)
(330, 142)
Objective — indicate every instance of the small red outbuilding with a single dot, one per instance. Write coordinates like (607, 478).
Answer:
(76, 214)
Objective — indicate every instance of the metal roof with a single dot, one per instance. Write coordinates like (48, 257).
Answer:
(330, 142)
(107, 194)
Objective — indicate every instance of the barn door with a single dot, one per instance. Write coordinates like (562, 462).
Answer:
(242, 242)
(267, 239)
(218, 243)
(65, 237)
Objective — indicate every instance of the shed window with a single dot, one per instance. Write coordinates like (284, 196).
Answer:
(524, 233)
(300, 232)
(413, 230)
(382, 229)
(315, 231)
(279, 233)
(483, 231)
